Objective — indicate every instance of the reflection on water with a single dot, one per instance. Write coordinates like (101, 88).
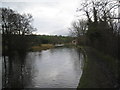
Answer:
(53, 68)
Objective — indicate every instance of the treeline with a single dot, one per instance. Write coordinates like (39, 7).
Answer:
(49, 39)
(14, 29)
(100, 29)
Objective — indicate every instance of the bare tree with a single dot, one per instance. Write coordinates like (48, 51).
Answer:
(15, 23)
(14, 29)
(78, 30)
(100, 8)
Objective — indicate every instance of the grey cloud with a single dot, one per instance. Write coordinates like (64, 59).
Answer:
(50, 16)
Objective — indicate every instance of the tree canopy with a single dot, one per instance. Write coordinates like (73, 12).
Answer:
(15, 23)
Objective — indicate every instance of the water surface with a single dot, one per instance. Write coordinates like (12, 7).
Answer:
(53, 68)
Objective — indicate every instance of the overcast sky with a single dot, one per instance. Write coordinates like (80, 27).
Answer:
(52, 17)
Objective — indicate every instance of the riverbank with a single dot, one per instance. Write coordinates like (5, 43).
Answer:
(49, 46)
(41, 47)
(100, 71)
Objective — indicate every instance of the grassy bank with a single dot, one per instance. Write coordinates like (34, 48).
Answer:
(48, 46)
(42, 47)
(100, 71)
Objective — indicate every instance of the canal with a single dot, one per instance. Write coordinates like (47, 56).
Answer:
(53, 68)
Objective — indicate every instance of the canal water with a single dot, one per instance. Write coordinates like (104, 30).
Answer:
(53, 68)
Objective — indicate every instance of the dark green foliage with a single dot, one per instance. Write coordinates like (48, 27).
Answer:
(47, 39)
(103, 37)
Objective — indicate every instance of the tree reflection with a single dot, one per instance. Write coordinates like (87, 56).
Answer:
(15, 74)
(81, 55)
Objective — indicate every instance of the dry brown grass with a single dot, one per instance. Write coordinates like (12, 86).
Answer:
(42, 47)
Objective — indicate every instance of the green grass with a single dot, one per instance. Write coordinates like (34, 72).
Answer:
(100, 71)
